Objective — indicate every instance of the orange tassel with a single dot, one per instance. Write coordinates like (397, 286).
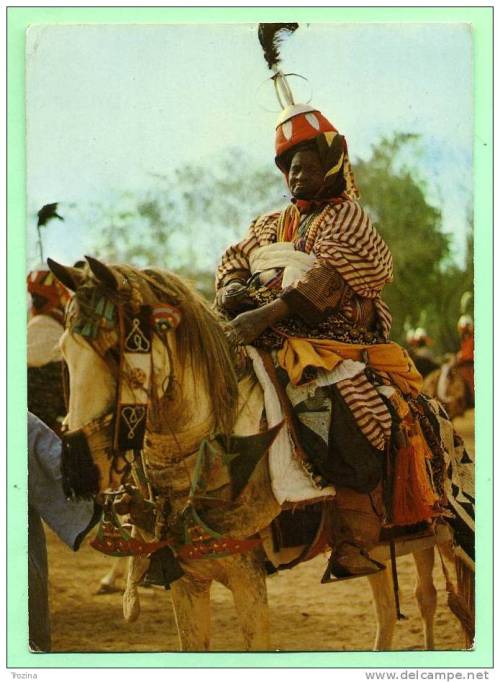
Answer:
(413, 499)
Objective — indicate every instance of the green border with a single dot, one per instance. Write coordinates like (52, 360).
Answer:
(18, 19)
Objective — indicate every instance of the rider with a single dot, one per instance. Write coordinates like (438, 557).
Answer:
(305, 284)
(465, 356)
(45, 327)
(420, 350)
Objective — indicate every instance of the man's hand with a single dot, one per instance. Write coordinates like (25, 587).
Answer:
(233, 296)
(249, 325)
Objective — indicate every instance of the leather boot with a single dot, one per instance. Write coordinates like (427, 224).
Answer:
(356, 523)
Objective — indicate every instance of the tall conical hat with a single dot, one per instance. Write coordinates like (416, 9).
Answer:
(297, 123)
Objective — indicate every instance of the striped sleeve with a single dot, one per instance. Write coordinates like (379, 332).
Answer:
(349, 243)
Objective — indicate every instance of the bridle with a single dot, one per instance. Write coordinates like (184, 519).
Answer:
(135, 336)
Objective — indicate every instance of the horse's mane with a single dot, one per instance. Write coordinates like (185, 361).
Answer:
(200, 337)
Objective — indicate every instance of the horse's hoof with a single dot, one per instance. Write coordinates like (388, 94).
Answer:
(108, 589)
(131, 605)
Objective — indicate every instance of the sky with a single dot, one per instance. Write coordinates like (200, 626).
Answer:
(109, 106)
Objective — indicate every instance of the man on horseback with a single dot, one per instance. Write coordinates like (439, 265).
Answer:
(45, 327)
(333, 294)
(465, 356)
(419, 347)
(305, 285)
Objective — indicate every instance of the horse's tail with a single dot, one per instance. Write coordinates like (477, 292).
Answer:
(462, 600)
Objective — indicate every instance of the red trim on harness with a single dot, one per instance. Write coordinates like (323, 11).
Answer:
(216, 548)
(118, 546)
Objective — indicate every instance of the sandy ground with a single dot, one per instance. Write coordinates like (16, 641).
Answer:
(305, 615)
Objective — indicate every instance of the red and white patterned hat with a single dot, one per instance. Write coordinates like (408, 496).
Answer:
(299, 123)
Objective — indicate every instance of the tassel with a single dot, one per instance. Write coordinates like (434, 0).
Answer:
(413, 499)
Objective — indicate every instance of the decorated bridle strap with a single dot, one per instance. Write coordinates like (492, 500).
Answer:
(134, 378)
(134, 382)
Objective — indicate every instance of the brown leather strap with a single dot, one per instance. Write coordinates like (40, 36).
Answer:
(394, 569)
(284, 401)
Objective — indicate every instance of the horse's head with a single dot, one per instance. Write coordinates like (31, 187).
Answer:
(105, 332)
(116, 321)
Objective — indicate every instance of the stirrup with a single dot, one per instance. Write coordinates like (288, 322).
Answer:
(336, 572)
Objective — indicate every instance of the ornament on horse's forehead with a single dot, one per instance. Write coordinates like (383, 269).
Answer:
(166, 317)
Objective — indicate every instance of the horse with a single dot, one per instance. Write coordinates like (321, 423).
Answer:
(180, 384)
(453, 385)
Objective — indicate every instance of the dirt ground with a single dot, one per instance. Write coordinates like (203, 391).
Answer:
(305, 615)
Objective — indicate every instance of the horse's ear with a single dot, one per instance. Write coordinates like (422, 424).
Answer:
(70, 277)
(102, 272)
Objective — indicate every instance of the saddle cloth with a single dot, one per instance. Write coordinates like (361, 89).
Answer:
(291, 481)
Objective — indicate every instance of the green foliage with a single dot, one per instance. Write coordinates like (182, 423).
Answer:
(453, 282)
(426, 285)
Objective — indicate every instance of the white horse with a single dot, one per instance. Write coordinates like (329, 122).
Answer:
(191, 392)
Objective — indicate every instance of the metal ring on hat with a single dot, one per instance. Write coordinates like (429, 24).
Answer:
(283, 77)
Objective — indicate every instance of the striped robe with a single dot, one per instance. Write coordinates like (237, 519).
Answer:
(350, 255)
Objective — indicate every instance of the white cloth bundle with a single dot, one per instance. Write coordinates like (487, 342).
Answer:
(281, 255)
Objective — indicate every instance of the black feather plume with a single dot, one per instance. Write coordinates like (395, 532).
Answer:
(46, 213)
(271, 37)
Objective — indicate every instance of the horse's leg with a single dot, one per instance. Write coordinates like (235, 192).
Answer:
(137, 567)
(385, 609)
(107, 583)
(425, 592)
(191, 602)
(247, 582)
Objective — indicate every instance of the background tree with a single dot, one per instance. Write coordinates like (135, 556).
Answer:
(454, 281)
(395, 197)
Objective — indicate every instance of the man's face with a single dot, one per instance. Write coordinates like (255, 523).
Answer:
(306, 175)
